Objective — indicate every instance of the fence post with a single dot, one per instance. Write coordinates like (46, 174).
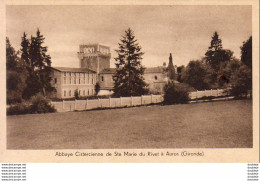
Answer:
(75, 102)
(62, 105)
(141, 99)
(109, 101)
(120, 101)
(131, 101)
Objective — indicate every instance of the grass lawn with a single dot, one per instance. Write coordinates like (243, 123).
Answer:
(224, 124)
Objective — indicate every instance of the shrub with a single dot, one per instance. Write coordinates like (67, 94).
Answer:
(76, 94)
(41, 105)
(20, 108)
(175, 93)
(97, 88)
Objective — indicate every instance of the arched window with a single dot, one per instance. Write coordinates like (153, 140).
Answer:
(155, 77)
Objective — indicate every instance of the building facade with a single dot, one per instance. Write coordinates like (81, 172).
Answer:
(94, 57)
(68, 80)
(95, 68)
(155, 77)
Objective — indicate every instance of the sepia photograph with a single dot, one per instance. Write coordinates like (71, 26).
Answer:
(129, 77)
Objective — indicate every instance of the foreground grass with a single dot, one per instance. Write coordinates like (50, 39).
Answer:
(226, 124)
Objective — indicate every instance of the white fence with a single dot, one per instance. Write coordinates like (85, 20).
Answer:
(64, 106)
(207, 93)
(71, 105)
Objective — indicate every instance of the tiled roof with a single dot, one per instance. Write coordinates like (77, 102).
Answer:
(155, 69)
(108, 71)
(147, 70)
(68, 69)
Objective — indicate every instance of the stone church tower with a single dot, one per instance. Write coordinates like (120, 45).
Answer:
(94, 56)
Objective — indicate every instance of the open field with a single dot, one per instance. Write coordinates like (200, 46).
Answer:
(224, 124)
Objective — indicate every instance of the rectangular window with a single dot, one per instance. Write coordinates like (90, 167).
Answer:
(79, 80)
(55, 80)
(79, 92)
(84, 93)
(70, 80)
(64, 74)
(88, 92)
(64, 80)
(92, 91)
(64, 93)
(92, 81)
(70, 73)
(70, 93)
(74, 80)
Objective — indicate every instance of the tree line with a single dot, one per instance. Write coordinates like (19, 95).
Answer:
(28, 71)
(217, 69)
(220, 69)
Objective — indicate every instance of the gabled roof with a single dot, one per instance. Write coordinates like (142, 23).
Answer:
(68, 69)
(160, 69)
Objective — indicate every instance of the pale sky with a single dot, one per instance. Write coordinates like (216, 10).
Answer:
(184, 31)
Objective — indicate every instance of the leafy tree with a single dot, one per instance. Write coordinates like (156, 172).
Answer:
(197, 75)
(180, 70)
(128, 80)
(171, 69)
(15, 76)
(241, 81)
(246, 52)
(175, 93)
(227, 71)
(215, 55)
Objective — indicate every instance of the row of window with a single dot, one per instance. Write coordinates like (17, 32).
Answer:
(71, 93)
(69, 80)
(78, 74)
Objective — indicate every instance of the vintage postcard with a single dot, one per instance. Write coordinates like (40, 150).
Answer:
(123, 81)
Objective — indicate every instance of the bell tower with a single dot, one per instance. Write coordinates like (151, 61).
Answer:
(94, 56)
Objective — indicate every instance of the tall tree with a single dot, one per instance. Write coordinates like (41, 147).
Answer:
(171, 69)
(128, 80)
(215, 55)
(180, 70)
(246, 53)
(38, 65)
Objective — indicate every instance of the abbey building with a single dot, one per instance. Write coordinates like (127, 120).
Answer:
(95, 68)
